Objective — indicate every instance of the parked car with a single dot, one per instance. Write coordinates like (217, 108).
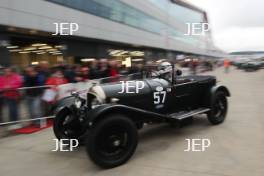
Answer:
(252, 66)
(239, 63)
(108, 118)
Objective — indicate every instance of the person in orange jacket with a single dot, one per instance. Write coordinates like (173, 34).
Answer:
(226, 65)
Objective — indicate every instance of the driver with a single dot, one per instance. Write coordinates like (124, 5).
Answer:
(164, 70)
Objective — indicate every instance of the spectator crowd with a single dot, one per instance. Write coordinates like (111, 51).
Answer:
(32, 82)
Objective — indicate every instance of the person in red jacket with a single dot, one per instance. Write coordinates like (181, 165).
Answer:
(49, 96)
(113, 71)
(10, 82)
(56, 79)
(113, 68)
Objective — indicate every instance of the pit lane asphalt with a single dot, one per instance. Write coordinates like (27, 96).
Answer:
(236, 145)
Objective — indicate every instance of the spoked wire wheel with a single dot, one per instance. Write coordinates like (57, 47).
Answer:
(66, 126)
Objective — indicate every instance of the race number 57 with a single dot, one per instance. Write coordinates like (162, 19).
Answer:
(159, 97)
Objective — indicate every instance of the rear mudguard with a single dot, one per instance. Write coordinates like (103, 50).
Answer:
(213, 91)
(220, 88)
(135, 114)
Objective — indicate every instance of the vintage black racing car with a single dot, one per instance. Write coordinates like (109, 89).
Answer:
(109, 116)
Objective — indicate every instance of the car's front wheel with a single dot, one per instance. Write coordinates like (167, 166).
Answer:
(219, 107)
(66, 125)
(112, 141)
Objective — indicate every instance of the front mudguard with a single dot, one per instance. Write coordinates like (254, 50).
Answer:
(60, 110)
(65, 102)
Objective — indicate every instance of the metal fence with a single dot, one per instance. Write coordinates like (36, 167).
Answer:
(23, 109)
(46, 108)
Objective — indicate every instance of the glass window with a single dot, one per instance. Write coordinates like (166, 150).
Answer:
(117, 11)
(181, 13)
(120, 12)
(185, 15)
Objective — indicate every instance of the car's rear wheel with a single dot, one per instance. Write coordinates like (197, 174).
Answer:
(66, 126)
(219, 107)
(112, 141)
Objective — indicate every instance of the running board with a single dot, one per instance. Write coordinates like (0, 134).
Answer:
(185, 114)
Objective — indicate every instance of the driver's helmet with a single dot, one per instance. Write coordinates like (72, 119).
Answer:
(164, 70)
(165, 67)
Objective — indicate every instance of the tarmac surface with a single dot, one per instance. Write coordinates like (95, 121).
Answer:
(236, 145)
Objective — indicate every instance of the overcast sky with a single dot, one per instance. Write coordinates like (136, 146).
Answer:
(237, 25)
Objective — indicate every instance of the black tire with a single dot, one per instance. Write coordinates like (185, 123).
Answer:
(112, 141)
(66, 126)
(219, 106)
